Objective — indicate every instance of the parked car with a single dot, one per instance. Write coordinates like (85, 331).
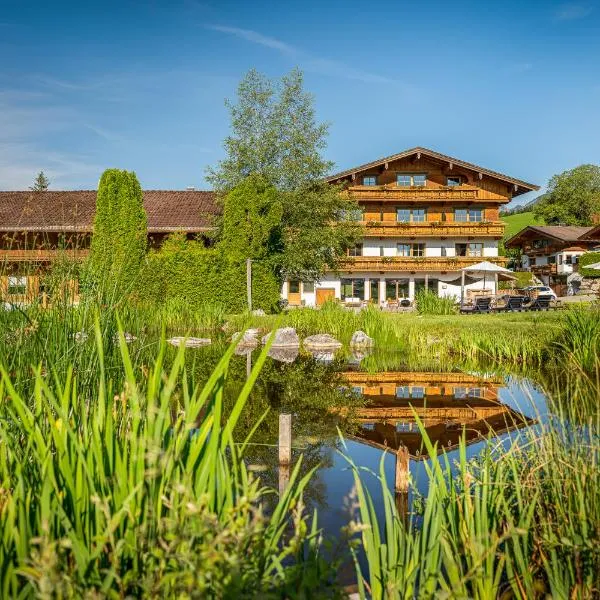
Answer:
(540, 290)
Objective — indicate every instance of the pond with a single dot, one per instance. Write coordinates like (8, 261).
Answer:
(365, 407)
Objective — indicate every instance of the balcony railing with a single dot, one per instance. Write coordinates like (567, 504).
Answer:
(392, 192)
(410, 264)
(549, 269)
(41, 255)
(454, 229)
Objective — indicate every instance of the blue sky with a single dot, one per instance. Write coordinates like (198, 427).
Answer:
(512, 86)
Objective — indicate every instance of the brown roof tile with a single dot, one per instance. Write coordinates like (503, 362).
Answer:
(167, 210)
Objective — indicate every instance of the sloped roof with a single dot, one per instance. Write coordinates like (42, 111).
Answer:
(562, 233)
(62, 211)
(522, 186)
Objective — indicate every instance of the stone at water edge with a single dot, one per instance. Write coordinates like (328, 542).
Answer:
(285, 354)
(284, 337)
(247, 338)
(322, 340)
(189, 342)
(360, 338)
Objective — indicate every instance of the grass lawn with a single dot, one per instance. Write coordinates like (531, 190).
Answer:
(514, 223)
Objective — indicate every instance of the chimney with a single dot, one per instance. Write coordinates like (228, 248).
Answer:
(596, 219)
(190, 188)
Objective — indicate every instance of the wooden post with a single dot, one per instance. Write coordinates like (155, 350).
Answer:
(402, 470)
(426, 282)
(285, 450)
(402, 480)
(248, 364)
(249, 283)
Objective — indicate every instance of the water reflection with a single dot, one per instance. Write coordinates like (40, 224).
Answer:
(447, 404)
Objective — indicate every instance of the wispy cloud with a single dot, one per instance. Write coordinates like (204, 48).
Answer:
(572, 11)
(24, 123)
(309, 62)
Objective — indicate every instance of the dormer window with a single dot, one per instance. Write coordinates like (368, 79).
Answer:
(411, 179)
(369, 180)
(453, 181)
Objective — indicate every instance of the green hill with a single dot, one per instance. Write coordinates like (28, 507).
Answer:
(515, 223)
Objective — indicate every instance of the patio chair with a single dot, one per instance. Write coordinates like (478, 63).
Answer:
(482, 305)
(540, 303)
(513, 304)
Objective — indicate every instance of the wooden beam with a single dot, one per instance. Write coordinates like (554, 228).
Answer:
(386, 166)
(353, 176)
(480, 175)
(450, 165)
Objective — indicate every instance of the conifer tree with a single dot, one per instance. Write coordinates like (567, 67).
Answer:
(120, 233)
(40, 183)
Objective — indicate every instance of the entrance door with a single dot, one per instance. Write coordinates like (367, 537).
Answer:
(294, 293)
(374, 291)
(324, 294)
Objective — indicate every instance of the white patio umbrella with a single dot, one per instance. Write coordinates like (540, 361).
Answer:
(484, 267)
(595, 266)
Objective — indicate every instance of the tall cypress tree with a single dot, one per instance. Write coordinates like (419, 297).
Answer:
(120, 233)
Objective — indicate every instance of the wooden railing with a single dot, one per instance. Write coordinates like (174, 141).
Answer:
(41, 255)
(453, 229)
(550, 269)
(401, 263)
(392, 192)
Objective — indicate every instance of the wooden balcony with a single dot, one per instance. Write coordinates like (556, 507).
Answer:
(432, 229)
(419, 194)
(550, 269)
(359, 264)
(41, 256)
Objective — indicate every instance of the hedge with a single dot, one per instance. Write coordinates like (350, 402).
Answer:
(186, 270)
(587, 259)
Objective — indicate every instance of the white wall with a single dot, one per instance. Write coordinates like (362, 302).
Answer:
(372, 247)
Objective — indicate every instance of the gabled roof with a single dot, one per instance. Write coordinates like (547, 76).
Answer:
(64, 211)
(522, 186)
(561, 233)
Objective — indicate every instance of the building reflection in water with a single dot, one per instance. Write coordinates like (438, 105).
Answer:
(449, 405)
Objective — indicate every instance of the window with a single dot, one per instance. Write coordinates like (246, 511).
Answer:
(464, 215)
(417, 392)
(460, 393)
(552, 259)
(570, 259)
(17, 286)
(356, 251)
(403, 391)
(308, 287)
(418, 215)
(403, 427)
(294, 287)
(403, 215)
(475, 215)
(381, 251)
(396, 289)
(452, 181)
(353, 288)
(410, 179)
(417, 249)
(461, 215)
(369, 180)
(470, 249)
(411, 215)
(476, 393)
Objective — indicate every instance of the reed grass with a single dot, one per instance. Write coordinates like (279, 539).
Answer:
(138, 490)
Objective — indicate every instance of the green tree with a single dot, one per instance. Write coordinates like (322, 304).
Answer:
(40, 183)
(573, 197)
(275, 135)
(120, 233)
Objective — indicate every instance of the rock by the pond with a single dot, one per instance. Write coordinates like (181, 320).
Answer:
(286, 354)
(247, 338)
(80, 336)
(361, 339)
(129, 337)
(321, 340)
(190, 342)
(259, 312)
(286, 337)
(324, 356)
